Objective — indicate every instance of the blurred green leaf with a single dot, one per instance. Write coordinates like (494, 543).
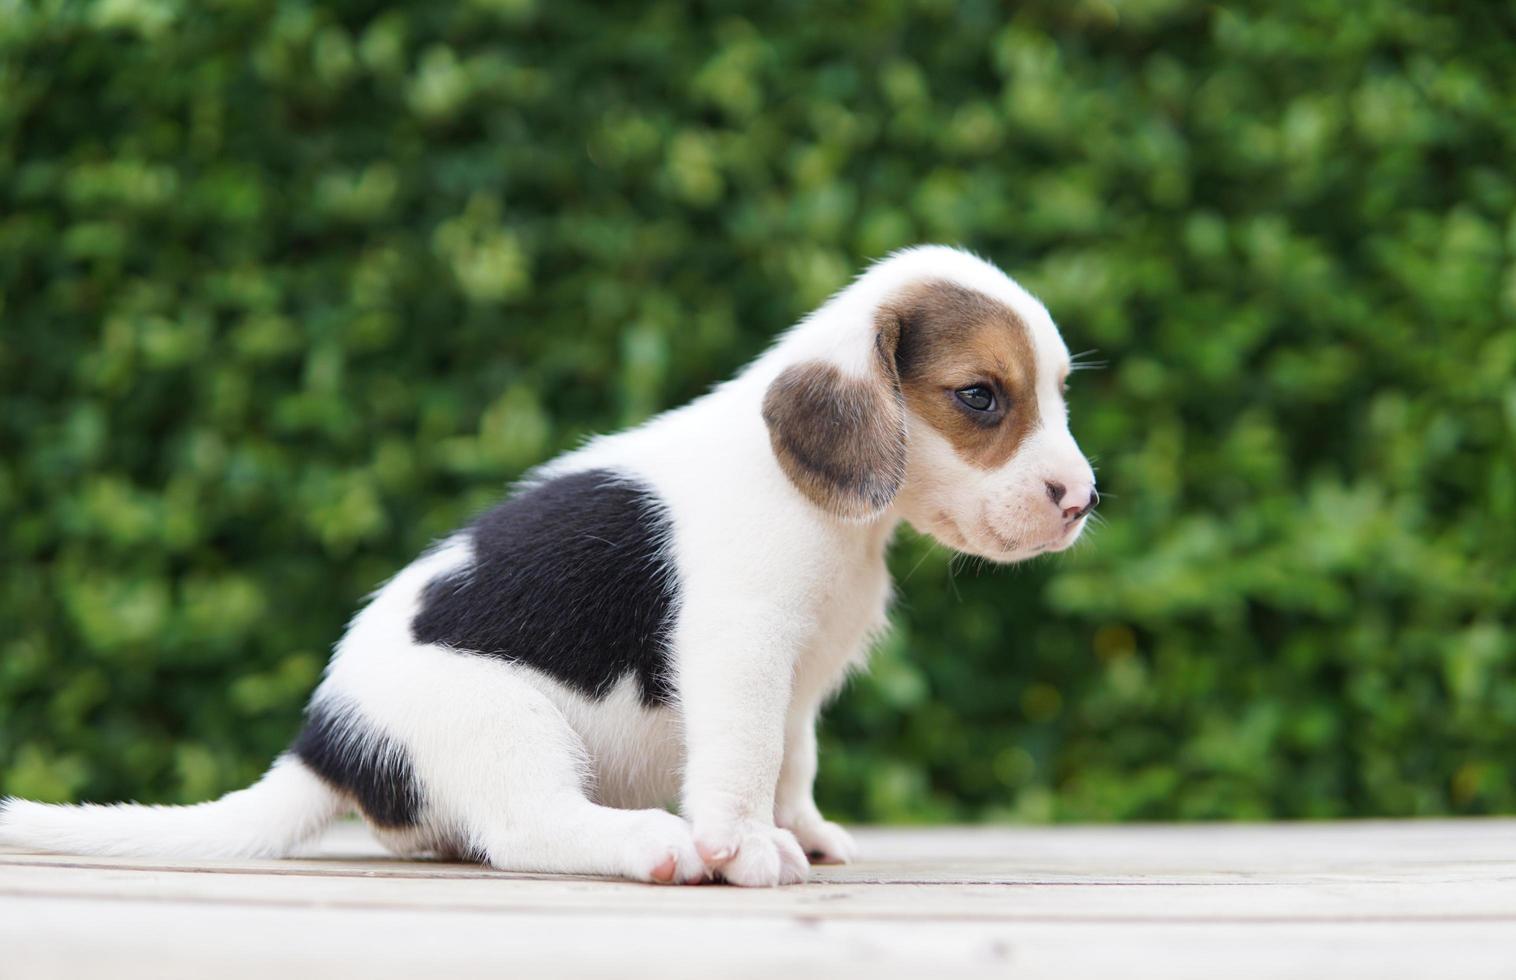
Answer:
(288, 290)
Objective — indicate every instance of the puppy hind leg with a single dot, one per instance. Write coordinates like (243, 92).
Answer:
(572, 835)
(506, 772)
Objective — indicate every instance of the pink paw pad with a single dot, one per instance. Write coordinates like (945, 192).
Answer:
(663, 872)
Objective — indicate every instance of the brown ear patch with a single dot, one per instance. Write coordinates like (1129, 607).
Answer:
(840, 440)
(952, 337)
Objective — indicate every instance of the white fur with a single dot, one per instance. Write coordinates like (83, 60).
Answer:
(286, 806)
(778, 600)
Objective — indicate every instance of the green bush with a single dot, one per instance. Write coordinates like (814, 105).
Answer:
(289, 289)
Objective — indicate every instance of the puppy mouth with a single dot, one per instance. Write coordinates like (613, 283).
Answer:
(1066, 536)
(1009, 546)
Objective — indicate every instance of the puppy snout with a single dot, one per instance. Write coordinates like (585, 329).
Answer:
(1073, 503)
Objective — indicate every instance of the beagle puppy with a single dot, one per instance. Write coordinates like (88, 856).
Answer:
(658, 617)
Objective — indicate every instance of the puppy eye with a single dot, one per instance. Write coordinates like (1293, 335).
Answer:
(977, 397)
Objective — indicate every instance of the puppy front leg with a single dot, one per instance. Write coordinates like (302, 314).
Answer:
(795, 803)
(735, 679)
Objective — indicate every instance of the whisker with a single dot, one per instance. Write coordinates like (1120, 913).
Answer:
(931, 548)
(1076, 362)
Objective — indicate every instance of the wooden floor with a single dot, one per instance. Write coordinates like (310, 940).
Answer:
(1404, 899)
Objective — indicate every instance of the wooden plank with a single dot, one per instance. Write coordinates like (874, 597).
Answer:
(1387, 899)
(1306, 903)
(80, 939)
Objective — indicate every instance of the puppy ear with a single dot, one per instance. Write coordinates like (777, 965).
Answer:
(840, 438)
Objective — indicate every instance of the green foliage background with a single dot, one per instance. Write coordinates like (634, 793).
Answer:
(289, 289)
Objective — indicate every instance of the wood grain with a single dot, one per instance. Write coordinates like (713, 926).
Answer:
(1370, 899)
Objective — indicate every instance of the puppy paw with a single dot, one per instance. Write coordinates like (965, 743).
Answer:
(661, 849)
(752, 854)
(825, 842)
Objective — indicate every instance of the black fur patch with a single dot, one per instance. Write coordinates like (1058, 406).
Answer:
(569, 577)
(340, 746)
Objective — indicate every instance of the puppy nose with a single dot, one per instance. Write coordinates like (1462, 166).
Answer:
(1074, 505)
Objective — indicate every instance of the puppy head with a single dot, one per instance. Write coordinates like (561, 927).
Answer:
(936, 390)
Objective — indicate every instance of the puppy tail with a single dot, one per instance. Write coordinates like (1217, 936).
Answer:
(290, 804)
